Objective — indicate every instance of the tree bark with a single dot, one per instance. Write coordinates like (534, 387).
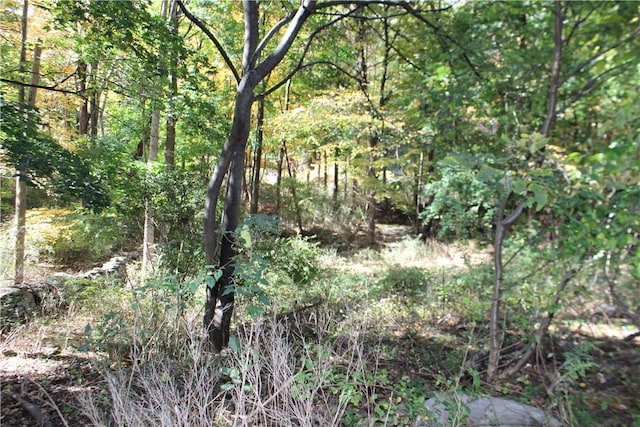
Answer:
(149, 228)
(336, 178)
(83, 111)
(20, 218)
(257, 159)
(502, 224)
(21, 186)
(293, 189)
(35, 74)
(220, 297)
(172, 118)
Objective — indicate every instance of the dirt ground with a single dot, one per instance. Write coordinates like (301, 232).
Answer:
(43, 377)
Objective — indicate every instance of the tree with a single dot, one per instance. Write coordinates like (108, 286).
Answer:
(43, 162)
(257, 64)
(220, 296)
(21, 186)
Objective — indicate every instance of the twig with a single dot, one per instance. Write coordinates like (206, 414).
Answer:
(34, 410)
(64, 421)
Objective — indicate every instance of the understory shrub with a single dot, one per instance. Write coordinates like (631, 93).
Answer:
(408, 282)
(461, 204)
(292, 267)
(303, 371)
(72, 237)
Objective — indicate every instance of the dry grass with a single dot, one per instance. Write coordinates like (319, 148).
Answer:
(277, 372)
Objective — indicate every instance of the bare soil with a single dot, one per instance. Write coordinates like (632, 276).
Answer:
(43, 375)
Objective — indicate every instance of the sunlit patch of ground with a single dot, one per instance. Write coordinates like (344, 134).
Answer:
(613, 330)
(401, 247)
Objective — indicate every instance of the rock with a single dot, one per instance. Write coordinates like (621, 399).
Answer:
(17, 304)
(484, 411)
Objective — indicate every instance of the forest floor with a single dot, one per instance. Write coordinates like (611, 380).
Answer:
(45, 370)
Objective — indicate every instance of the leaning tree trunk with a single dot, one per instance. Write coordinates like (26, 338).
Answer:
(220, 297)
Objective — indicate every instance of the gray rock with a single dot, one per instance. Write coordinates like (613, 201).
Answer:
(484, 411)
(17, 304)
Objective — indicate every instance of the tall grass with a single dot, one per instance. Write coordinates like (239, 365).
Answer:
(276, 372)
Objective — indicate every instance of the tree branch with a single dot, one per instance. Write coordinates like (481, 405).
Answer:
(401, 3)
(589, 87)
(514, 215)
(438, 31)
(595, 57)
(579, 21)
(51, 88)
(555, 69)
(250, 8)
(304, 11)
(211, 37)
(299, 66)
(270, 35)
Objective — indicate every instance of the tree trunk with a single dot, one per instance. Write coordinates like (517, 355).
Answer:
(83, 111)
(20, 218)
(35, 74)
(495, 342)
(281, 153)
(336, 177)
(149, 229)
(502, 224)
(279, 177)
(94, 112)
(172, 118)
(325, 179)
(21, 185)
(293, 189)
(257, 160)
(220, 297)
(417, 192)
(23, 47)
(371, 193)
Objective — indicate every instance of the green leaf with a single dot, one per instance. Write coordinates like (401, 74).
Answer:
(264, 300)
(519, 186)
(540, 195)
(255, 310)
(234, 343)
(210, 281)
(537, 142)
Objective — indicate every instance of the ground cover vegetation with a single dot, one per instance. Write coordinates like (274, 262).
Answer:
(399, 200)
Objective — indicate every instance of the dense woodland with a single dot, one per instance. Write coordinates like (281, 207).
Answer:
(327, 211)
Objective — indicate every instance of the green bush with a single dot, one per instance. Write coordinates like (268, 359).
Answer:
(462, 205)
(72, 237)
(293, 265)
(410, 282)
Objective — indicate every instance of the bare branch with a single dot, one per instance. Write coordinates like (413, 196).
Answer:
(438, 31)
(580, 21)
(304, 11)
(53, 88)
(270, 35)
(401, 3)
(598, 55)
(299, 66)
(590, 86)
(211, 37)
